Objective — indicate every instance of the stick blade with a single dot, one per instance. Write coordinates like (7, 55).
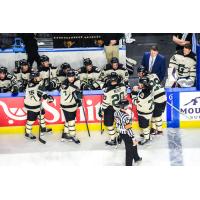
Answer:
(42, 141)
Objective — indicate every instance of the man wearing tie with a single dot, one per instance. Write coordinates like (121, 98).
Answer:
(154, 62)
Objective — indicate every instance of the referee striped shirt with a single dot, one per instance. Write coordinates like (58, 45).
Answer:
(122, 119)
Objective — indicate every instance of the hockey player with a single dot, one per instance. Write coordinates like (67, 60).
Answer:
(70, 101)
(62, 73)
(143, 99)
(123, 124)
(33, 103)
(159, 97)
(8, 82)
(112, 95)
(184, 65)
(48, 74)
(89, 76)
(22, 73)
(115, 66)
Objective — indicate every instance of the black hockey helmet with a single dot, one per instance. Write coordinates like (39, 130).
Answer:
(44, 58)
(123, 104)
(71, 73)
(65, 66)
(34, 75)
(114, 77)
(87, 61)
(3, 70)
(114, 60)
(141, 68)
(23, 62)
(145, 81)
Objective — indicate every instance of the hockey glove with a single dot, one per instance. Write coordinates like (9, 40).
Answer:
(15, 90)
(101, 112)
(50, 99)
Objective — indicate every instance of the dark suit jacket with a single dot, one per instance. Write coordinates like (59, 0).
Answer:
(159, 66)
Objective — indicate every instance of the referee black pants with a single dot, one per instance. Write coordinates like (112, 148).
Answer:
(131, 151)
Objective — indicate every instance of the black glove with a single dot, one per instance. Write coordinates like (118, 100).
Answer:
(52, 86)
(50, 99)
(100, 113)
(78, 95)
(85, 87)
(15, 90)
(79, 103)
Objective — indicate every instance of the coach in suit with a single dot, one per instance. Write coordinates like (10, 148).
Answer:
(154, 62)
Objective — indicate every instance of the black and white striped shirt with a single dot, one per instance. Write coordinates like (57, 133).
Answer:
(122, 119)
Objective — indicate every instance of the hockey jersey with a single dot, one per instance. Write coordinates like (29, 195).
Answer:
(22, 78)
(68, 99)
(185, 67)
(92, 76)
(7, 83)
(158, 90)
(143, 99)
(48, 76)
(34, 93)
(112, 96)
(121, 71)
(122, 119)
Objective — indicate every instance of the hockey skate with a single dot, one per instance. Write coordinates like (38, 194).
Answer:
(45, 130)
(141, 135)
(119, 139)
(144, 141)
(66, 137)
(30, 136)
(159, 132)
(111, 142)
(153, 131)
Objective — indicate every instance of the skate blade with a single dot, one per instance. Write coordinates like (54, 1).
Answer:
(66, 140)
(31, 139)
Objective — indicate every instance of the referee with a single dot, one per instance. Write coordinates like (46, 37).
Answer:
(123, 124)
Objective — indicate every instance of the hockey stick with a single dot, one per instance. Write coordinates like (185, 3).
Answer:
(102, 130)
(86, 122)
(175, 108)
(40, 139)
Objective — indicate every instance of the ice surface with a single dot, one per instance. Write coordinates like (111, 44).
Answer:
(176, 147)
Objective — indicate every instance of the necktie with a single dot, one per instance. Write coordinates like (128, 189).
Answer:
(151, 64)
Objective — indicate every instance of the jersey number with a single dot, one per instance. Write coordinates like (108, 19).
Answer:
(117, 97)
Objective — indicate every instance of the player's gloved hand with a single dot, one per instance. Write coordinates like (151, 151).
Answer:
(50, 99)
(52, 86)
(15, 90)
(79, 103)
(101, 112)
(78, 95)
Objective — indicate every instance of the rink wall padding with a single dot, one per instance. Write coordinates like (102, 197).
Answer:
(187, 101)
(13, 113)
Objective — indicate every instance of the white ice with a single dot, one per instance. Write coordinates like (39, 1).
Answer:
(15, 150)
